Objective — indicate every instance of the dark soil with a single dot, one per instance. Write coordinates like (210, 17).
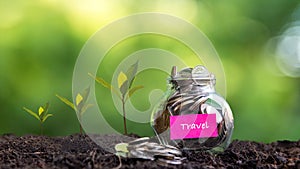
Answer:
(78, 151)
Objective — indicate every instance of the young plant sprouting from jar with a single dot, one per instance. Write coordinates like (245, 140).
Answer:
(125, 89)
(41, 115)
(80, 106)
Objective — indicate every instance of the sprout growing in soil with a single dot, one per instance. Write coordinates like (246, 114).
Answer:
(125, 81)
(80, 104)
(41, 115)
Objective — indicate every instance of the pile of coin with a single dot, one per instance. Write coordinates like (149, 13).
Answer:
(143, 148)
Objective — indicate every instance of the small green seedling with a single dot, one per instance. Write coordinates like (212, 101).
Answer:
(41, 115)
(125, 81)
(80, 106)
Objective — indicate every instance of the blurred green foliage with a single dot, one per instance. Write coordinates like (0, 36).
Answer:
(40, 41)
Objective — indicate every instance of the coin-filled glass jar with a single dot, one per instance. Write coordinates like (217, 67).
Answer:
(192, 116)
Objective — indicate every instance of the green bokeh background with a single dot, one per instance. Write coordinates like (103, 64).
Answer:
(40, 42)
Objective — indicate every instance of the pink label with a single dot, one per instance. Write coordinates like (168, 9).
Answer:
(193, 126)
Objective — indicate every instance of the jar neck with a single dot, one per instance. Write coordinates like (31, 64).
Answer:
(192, 88)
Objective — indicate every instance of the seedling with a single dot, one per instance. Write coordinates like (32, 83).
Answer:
(125, 81)
(41, 115)
(80, 106)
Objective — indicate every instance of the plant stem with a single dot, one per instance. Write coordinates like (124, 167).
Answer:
(41, 128)
(124, 116)
(80, 129)
(80, 126)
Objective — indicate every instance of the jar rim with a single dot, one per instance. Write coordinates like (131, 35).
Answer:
(199, 72)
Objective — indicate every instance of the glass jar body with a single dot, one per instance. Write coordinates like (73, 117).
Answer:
(198, 102)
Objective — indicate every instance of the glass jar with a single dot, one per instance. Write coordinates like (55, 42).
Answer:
(192, 116)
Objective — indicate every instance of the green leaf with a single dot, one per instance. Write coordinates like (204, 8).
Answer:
(131, 73)
(85, 107)
(31, 113)
(66, 101)
(124, 88)
(79, 99)
(41, 110)
(101, 81)
(46, 107)
(85, 94)
(122, 78)
(46, 117)
(133, 90)
(105, 84)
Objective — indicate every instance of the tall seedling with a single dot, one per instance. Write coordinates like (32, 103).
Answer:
(80, 106)
(41, 115)
(125, 89)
